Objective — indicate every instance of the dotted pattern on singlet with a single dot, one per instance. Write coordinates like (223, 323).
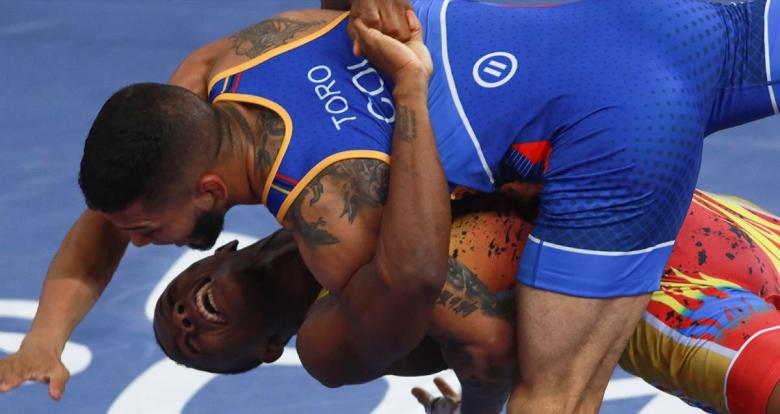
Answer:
(624, 91)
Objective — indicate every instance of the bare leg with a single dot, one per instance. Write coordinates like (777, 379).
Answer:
(567, 348)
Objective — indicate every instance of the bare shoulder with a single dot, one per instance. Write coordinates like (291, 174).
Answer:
(335, 218)
(265, 35)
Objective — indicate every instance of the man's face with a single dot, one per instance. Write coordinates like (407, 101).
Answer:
(180, 223)
(211, 317)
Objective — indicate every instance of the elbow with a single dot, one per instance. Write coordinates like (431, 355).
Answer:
(323, 375)
(330, 382)
(414, 275)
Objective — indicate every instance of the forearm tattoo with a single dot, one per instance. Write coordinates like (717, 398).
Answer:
(464, 293)
(405, 124)
(254, 40)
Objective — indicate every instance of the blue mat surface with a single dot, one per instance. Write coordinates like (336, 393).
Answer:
(59, 60)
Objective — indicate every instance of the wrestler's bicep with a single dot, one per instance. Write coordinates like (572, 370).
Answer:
(336, 218)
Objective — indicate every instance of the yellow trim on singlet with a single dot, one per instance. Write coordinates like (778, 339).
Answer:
(276, 51)
(324, 292)
(322, 165)
(764, 233)
(288, 129)
(660, 359)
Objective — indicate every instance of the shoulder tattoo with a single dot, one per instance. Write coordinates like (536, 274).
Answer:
(360, 184)
(254, 40)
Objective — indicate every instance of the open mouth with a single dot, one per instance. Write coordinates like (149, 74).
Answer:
(207, 307)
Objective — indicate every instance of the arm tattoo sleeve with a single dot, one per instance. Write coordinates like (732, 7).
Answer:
(254, 40)
(463, 293)
(361, 184)
(311, 231)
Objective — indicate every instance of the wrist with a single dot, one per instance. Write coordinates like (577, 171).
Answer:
(410, 87)
(43, 342)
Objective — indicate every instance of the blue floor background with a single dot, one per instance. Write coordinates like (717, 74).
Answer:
(59, 60)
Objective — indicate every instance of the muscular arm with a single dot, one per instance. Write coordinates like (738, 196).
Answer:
(471, 332)
(81, 269)
(386, 265)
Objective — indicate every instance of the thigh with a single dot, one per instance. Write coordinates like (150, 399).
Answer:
(567, 348)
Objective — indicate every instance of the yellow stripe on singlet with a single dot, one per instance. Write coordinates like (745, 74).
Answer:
(276, 51)
(764, 233)
(322, 294)
(320, 167)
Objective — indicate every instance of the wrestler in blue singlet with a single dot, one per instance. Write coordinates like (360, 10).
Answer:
(606, 102)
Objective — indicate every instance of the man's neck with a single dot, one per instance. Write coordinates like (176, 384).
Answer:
(254, 136)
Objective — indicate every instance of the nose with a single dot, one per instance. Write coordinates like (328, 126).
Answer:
(182, 317)
(139, 240)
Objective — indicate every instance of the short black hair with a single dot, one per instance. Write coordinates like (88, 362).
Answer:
(146, 138)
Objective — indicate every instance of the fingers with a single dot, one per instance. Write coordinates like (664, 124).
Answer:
(10, 376)
(414, 25)
(366, 37)
(57, 383)
(388, 17)
(445, 389)
(423, 397)
(394, 24)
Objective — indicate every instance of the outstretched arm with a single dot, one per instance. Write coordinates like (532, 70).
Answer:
(77, 275)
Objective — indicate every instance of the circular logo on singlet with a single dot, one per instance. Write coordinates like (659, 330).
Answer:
(494, 69)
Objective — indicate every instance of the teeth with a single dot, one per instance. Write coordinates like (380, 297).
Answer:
(205, 294)
(211, 299)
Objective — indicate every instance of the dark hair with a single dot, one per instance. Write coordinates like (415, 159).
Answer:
(146, 139)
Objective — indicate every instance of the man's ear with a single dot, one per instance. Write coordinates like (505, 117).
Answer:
(228, 247)
(211, 190)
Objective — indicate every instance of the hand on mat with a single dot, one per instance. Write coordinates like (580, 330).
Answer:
(387, 16)
(399, 60)
(35, 364)
(447, 403)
